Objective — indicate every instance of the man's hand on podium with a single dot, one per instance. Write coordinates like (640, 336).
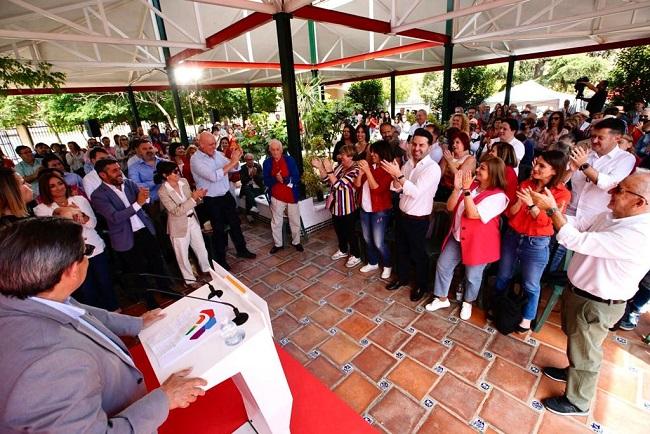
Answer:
(151, 317)
(182, 391)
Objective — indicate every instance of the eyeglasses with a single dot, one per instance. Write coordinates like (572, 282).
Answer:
(618, 190)
(88, 249)
(177, 171)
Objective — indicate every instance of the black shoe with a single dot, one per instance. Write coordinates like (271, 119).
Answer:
(556, 374)
(299, 247)
(224, 265)
(395, 284)
(417, 294)
(246, 254)
(275, 249)
(520, 329)
(562, 406)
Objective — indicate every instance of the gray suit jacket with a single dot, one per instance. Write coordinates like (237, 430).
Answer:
(58, 376)
(118, 217)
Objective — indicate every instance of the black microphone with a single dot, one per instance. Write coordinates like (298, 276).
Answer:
(239, 319)
(213, 292)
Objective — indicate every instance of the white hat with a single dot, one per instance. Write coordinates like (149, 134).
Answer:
(584, 113)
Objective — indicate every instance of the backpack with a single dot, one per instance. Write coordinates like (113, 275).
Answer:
(507, 309)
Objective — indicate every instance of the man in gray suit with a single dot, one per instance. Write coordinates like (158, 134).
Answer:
(64, 368)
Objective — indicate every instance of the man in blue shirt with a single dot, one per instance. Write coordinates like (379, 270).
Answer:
(29, 167)
(142, 171)
(210, 171)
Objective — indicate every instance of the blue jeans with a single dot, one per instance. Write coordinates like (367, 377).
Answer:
(373, 226)
(532, 255)
(97, 289)
(449, 258)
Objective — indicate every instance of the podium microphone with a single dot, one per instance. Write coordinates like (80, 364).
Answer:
(239, 319)
(213, 292)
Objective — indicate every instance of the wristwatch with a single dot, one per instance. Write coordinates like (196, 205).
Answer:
(551, 211)
(583, 167)
(531, 206)
(466, 192)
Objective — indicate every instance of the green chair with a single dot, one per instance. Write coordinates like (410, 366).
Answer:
(559, 281)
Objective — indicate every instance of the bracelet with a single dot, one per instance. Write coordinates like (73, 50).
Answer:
(330, 173)
(531, 206)
(400, 177)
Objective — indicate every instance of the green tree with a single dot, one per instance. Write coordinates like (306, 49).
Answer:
(403, 85)
(562, 72)
(431, 89)
(17, 110)
(15, 73)
(629, 77)
(367, 93)
(475, 83)
(266, 99)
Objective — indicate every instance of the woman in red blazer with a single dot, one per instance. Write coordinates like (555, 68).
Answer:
(373, 185)
(474, 238)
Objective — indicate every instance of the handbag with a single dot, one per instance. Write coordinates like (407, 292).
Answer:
(507, 309)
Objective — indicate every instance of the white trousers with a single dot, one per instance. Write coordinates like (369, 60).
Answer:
(277, 220)
(181, 246)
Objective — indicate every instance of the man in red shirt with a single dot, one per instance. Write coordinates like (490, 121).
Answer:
(282, 178)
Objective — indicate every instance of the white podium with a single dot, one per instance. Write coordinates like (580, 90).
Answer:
(189, 337)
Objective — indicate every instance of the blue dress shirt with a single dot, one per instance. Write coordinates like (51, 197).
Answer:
(208, 173)
(142, 174)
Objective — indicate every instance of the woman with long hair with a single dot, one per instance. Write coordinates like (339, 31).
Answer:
(76, 159)
(373, 185)
(57, 199)
(15, 194)
(554, 129)
(342, 202)
(506, 152)
(174, 137)
(122, 152)
(346, 139)
(182, 225)
(361, 146)
(474, 237)
(456, 158)
(527, 237)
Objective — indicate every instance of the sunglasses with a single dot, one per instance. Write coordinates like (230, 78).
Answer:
(618, 190)
(88, 249)
(176, 171)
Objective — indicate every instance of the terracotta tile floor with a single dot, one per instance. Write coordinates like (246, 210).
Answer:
(407, 370)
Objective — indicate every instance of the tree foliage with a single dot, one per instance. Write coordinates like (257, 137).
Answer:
(431, 89)
(403, 85)
(629, 77)
(17, 110)
(562, 72)
(367, 93)
(15, 73)
(476, 83)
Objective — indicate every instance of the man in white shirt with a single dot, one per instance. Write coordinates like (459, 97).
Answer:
(609, 261)
(507, 133)
(417, 182)
(92, 180)
(593, 173)
(420, 122)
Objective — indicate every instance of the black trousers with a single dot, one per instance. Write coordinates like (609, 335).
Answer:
(222, 211)
(345, 233)
(145, 257)
(250, 193)
(411, 235)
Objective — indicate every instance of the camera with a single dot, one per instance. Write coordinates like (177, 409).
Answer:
(579, 86)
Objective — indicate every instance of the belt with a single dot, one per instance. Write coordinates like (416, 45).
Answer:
(189, 216)
(590, 296)
(414, 217)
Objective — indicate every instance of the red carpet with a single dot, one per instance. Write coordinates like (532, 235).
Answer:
(315, 408)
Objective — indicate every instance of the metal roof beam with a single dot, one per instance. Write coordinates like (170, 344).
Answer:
(52, 16)
(242, 4)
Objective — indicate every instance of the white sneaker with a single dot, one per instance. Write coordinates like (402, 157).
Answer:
(437, 304)
(339, 255)
(368, 268)
(466, 311)
(255, 210)
(386, 273)
(353, 261)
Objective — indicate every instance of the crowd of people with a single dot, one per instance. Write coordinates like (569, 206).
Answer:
(521, 191)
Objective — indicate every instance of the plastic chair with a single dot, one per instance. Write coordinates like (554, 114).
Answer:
(559, 281)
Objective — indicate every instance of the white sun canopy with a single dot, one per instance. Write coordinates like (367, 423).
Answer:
(116, 43)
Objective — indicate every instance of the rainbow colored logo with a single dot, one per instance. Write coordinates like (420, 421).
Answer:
(205, 322)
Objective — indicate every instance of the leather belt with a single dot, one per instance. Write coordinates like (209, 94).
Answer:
(414, 217)
(590, 296)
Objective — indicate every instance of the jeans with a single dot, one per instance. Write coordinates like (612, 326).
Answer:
(373, 226)
(347, 238)
(449, 258)
(532, 255)
(556, 262)
(411, 248)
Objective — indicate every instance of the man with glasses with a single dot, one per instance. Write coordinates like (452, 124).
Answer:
(610, 260)
(29, 167)
(64, 368)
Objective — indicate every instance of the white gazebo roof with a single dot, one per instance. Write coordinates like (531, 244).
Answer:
(116, 43)
(531, 92)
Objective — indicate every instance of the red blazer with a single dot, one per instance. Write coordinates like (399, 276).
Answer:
(480, 243)
(380, 197)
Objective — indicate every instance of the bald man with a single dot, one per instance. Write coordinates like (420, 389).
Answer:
(210, 170)
(610, 260)
(282, 178)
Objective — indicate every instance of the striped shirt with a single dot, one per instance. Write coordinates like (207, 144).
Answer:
(343, 192)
